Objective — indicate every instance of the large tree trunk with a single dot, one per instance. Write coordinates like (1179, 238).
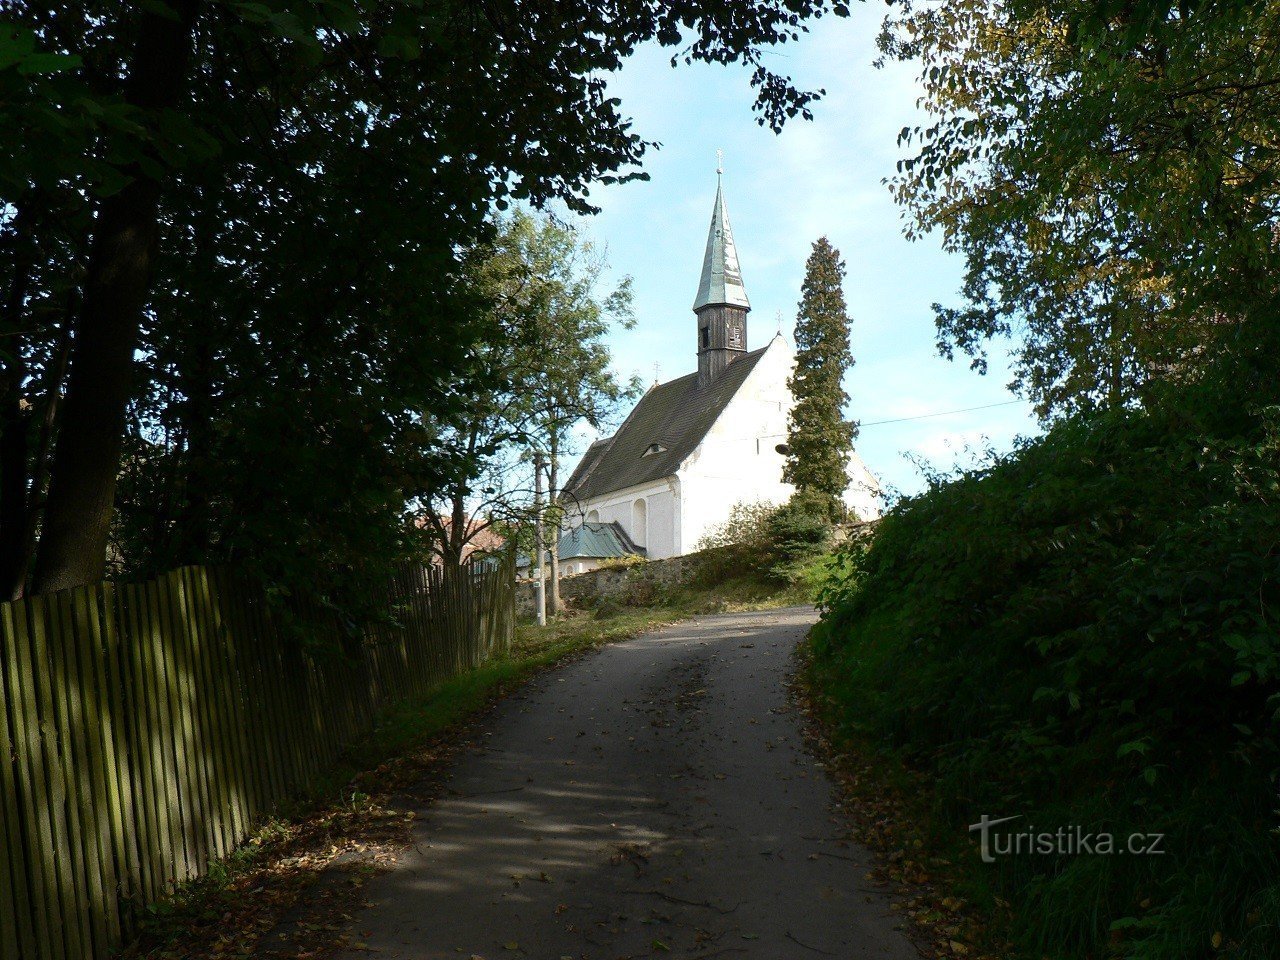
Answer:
(55, 375)
(86, 460)
(14, 420)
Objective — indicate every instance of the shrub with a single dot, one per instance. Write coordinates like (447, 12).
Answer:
(1085, 632)
(747, 526)
(797, 532)
(770, 540)
(621, 563)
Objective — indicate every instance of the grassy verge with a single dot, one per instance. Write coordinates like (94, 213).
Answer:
(932, 869)
(293, 887)
(1081, 636)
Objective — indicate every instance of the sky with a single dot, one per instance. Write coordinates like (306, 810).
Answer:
(783, 192)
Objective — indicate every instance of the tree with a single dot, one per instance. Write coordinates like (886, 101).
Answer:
(819, 438)
(547, 370)
(231, 132)
(150, 129)
(1109, 174)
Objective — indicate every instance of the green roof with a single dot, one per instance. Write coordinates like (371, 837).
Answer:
(664, 428)
(721, 281)
(597, 540)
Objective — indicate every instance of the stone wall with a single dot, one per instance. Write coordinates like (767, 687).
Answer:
(638, 585)
(648, 581)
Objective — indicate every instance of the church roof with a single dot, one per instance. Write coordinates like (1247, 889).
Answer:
(665, 427)
(721, 276)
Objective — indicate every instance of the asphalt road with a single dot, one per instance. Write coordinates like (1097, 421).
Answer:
(654, 799)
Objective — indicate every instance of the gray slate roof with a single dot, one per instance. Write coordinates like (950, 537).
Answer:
(721, 281)
(597, 540)
(675, 416)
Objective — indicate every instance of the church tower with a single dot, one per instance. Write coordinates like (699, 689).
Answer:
(721, 305)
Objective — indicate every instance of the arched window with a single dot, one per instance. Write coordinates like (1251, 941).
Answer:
(593, 516)
(639, 522)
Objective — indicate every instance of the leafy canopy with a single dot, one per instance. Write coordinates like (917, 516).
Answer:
(1109, 174)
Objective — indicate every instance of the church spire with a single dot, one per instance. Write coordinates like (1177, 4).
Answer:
(721, 305)
(721, 283)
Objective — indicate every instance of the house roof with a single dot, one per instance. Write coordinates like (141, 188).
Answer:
(721, 282)
(597, 540)
(481, 537)
(664, 428)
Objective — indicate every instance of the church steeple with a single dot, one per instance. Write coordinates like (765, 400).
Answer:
(721, 304)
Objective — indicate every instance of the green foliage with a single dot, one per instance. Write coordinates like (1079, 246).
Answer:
(1109, 174)
(621, 563)
(540, 367)
(798, 531)
(747, 525)
(774, 542)
(1084, 632)
(313, 175)
(819, 439)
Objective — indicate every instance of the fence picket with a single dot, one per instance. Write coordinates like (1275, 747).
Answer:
(32, 786)
(98, 804)
(145, 729)
(17, 939)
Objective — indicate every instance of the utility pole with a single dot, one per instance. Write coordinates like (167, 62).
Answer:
(538, 547)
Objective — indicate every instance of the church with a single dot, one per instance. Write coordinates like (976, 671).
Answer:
(696, 445)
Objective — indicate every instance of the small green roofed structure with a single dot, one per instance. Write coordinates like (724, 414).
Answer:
(584, 547)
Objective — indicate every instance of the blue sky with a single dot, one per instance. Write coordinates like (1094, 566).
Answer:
(783, 192)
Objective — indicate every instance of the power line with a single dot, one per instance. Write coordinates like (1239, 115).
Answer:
(872, 423)
(943, 413)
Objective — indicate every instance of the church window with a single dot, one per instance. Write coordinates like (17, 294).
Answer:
(706, 336)
(653, 448)
(593, 516)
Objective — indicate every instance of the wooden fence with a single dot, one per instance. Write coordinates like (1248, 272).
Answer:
(147, 728)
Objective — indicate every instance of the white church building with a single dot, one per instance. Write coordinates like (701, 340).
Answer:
(696, 445)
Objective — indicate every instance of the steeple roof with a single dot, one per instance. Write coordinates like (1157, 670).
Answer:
(721, 283)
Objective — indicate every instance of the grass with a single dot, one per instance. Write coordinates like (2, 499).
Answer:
(894, 810)
(345, 826)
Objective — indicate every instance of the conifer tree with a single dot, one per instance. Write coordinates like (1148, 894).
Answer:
(819, 438)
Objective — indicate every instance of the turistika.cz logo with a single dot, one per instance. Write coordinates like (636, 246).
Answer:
(1067, 841)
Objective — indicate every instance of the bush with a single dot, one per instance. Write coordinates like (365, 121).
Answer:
(747, 527)
(775, 541)
(797, 532)
(1085, 632)
(621, 563)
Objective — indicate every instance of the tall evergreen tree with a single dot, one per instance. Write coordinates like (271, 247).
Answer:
(819, 438)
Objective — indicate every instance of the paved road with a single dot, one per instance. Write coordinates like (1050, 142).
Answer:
(654, 799)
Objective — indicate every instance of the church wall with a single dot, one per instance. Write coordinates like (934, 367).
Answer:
(738, 461)
(660, 537)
